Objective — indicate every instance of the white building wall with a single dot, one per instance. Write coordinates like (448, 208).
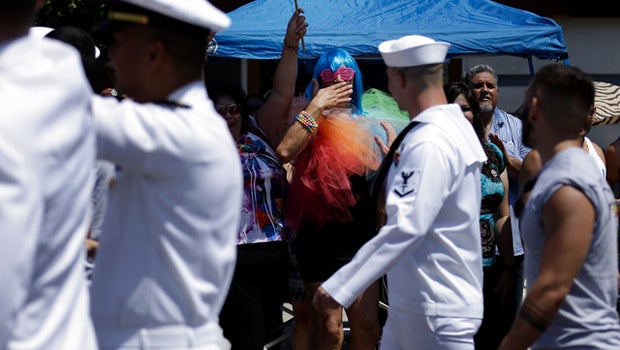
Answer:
(593, 45)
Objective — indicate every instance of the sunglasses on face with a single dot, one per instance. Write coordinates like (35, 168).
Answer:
(345, 73)
(233, 108)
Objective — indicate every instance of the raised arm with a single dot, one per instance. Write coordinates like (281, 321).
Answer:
(274, 111)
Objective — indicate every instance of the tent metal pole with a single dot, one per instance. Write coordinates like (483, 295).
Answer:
(531, 65)
(244, 74)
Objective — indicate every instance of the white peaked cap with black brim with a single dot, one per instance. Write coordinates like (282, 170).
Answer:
(200, 13)
(180, 16)
(413, 50)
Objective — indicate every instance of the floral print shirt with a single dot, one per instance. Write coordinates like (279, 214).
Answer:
(264, 180)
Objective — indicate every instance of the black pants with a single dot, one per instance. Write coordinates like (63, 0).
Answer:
(251, 316)
(498, 317)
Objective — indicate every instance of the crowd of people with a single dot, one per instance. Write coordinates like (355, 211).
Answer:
(206, 210)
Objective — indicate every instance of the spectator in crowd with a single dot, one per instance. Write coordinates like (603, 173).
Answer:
(332, 150)
(495, 230)
(484, 81)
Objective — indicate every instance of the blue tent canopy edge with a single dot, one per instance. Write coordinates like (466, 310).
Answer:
(472, 27)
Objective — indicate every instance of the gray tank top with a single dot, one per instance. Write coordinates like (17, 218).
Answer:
(587, 318)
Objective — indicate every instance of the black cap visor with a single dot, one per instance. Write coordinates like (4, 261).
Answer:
(122, 15)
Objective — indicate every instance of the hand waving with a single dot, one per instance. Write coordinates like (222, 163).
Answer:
(391, 136)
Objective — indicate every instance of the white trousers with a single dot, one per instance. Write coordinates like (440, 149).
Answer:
(209, 337)
(404, 331)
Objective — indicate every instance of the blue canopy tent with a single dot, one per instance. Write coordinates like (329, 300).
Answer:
(473, 27)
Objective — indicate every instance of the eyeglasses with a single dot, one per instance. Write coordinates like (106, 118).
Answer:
(233, 108)
(345, 73)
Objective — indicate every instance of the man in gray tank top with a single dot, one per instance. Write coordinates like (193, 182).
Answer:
(569, 225)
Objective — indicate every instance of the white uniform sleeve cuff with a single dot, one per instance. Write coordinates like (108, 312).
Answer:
(338, 291)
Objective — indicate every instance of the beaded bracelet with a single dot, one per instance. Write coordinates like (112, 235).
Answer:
(288, 47)
(307, 121)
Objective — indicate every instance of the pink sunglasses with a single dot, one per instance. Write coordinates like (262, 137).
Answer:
(345, 73)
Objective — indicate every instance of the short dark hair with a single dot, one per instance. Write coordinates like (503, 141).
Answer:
(566, 93)
(83, 42)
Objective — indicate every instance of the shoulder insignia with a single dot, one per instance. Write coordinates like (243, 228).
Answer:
(404, 187)
(396, 157)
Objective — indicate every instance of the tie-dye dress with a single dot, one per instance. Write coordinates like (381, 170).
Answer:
(492, 195)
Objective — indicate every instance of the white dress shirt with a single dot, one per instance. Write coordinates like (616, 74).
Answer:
(168, 243)
(47, 155)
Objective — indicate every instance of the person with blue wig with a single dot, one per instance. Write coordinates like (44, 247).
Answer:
(334, 59)
(332, 151)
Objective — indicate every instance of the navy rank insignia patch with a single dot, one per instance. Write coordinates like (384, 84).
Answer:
(404, 188)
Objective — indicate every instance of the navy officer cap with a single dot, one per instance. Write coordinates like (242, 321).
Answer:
(187, 17)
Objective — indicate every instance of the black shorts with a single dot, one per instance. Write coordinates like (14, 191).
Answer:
(321, 252)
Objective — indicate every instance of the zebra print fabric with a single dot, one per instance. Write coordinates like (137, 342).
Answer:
(607, 102)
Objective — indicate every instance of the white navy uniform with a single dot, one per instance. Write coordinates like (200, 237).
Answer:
(47, 155)
(430, 244)
(168, 242)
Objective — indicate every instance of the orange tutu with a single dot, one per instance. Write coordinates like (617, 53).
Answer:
(320, 189)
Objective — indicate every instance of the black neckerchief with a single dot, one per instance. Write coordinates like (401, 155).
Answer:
(165, 103)
(379, 178)
(170, 103)
(377, 193)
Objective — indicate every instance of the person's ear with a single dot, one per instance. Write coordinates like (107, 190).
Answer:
(401, 78)
(587, 125)
(155, 54)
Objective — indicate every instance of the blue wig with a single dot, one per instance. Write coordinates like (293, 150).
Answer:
(334, 59)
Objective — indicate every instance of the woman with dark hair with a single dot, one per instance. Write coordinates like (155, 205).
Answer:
(494, 223)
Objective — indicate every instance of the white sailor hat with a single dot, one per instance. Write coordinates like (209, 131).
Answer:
(413, 50)
(182, 16)
(39, 31)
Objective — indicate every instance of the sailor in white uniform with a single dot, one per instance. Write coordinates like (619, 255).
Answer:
(47, 153)
(430, 244)
(168, 245)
